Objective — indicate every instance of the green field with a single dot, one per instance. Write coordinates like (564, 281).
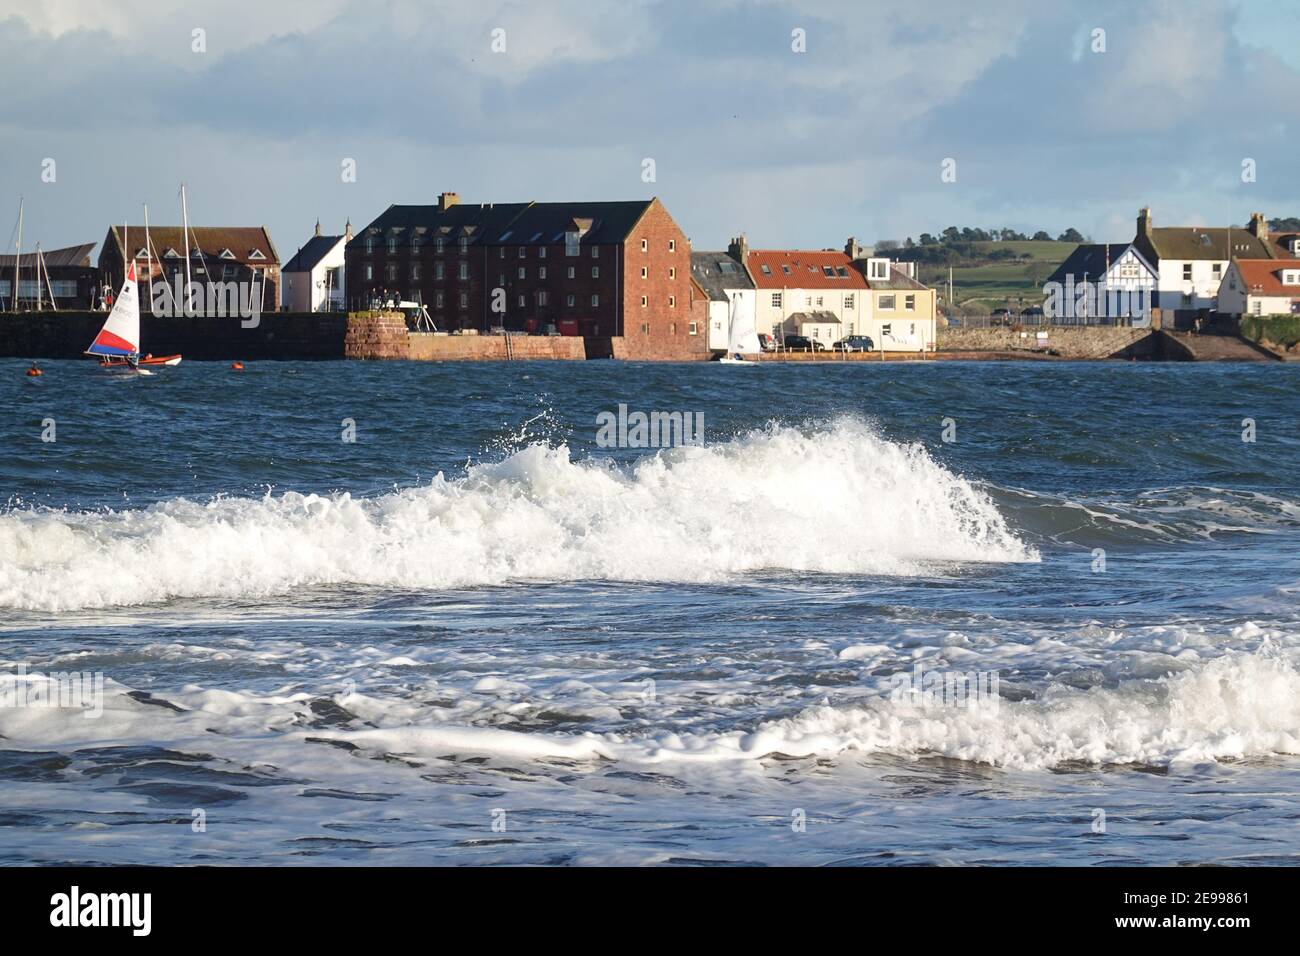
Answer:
(1015, 285)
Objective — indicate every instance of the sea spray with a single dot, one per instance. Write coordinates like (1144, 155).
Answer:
(838, 498)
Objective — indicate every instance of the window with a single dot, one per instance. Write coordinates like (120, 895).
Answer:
(819, 301)
(765, 270)
(501, 252)
(785, 268)
(694, 328)
(672, 302)
(570, 300)
(571, 243)
(645, 245)
(464, 300)
(523, 272)
(645, 328)
(672, 328)
(439, 271)
(464, 245)
(1217, 269)
(464, 270)
(672, 245)
(878, 268)
(595, 300)
(501, 280)
(909, 303)
(392, 245)
(570, 272)
(523, 253)
(1256, 307)
(415, 272)
(391, 272)
(776, 300)
(672, 272)
(841, 272)
(370, 247)
(415, 245)
(437, 245)
(541, 272)
(595, 272)
(1187, 272)
(886, 329)
(541, 297)
(541, 252)
(523, 300)
(370, 272)
(644, 301)
(644, 272)
(437, 300)
(595, 252)
(848, 301)
(887, 302)
(828, 272)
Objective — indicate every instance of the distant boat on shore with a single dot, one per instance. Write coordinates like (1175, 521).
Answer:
(742, 340)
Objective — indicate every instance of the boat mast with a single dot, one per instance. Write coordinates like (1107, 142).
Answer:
(40, 293)
(148, 252)
(54, 305)
(19, 256)
(185, 229)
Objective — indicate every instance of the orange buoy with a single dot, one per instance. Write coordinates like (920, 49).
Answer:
(237, 366)
(34, 371)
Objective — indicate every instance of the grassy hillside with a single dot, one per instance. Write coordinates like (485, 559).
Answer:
(981, 286)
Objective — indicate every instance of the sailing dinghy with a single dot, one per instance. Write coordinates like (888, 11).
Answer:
(118, 343)
(742, 340)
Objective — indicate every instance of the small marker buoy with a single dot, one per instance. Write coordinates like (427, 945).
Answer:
(237, 366)
(34, 371)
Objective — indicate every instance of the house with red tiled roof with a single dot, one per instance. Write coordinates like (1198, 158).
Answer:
(815, 293)
(1261, 287)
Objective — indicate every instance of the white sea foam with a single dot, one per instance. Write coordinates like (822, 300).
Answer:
(838, 499)
(1231, 707)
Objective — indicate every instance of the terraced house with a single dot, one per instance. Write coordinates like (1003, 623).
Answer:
(596, 269)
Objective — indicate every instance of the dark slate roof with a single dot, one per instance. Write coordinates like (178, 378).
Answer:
(716, 272)
(1090, 259)
(68, 256)
(310, 255)
(1195, 242)
(898, 279)
(545, 223)
(512, 224)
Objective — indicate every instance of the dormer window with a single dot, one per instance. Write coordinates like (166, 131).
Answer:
(1291, 276)
(196, 253)
(227, 254)
(878, 269)
(1295, 246)
(142, 253)
(256, 254)
(171, 253)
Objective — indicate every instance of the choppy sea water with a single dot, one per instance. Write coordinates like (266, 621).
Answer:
(473, 636)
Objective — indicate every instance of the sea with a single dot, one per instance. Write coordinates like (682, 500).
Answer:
(941, 613)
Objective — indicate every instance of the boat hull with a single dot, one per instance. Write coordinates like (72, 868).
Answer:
(148, 360)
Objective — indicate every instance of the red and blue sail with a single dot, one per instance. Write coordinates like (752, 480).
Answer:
(120, 336)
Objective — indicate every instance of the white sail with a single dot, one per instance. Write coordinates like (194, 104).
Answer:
(741, 336)
(120, 335)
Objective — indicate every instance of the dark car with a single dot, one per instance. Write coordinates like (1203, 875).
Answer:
(1033, 311)
(801, 343)
(766, 342)
(1000, 317)
(855, 343)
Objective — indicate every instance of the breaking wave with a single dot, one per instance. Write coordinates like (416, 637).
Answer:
(838, 498)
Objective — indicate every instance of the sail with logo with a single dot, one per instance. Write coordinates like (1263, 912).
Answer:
(118, 343)
(742, 339)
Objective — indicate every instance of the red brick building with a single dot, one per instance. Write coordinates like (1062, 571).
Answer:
(596, 269)
(217, 254)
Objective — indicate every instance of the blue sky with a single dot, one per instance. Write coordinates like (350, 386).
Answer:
(747, 135)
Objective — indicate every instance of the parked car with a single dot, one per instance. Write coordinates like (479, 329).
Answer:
(1000, 317)
(1033, 311)
(855, 343)
(766, 342)
(801, 343)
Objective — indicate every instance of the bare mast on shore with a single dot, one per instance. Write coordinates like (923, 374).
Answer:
(185, 230)
(19, 256)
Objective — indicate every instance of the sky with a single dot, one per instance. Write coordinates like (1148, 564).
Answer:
(795, 123)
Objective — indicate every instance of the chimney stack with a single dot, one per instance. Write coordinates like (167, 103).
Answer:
(1258, 226)
(1144, 221)
(853, 250)
(738, 249)
(447, 200)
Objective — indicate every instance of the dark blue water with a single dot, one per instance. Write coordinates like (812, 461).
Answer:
(474, 635)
